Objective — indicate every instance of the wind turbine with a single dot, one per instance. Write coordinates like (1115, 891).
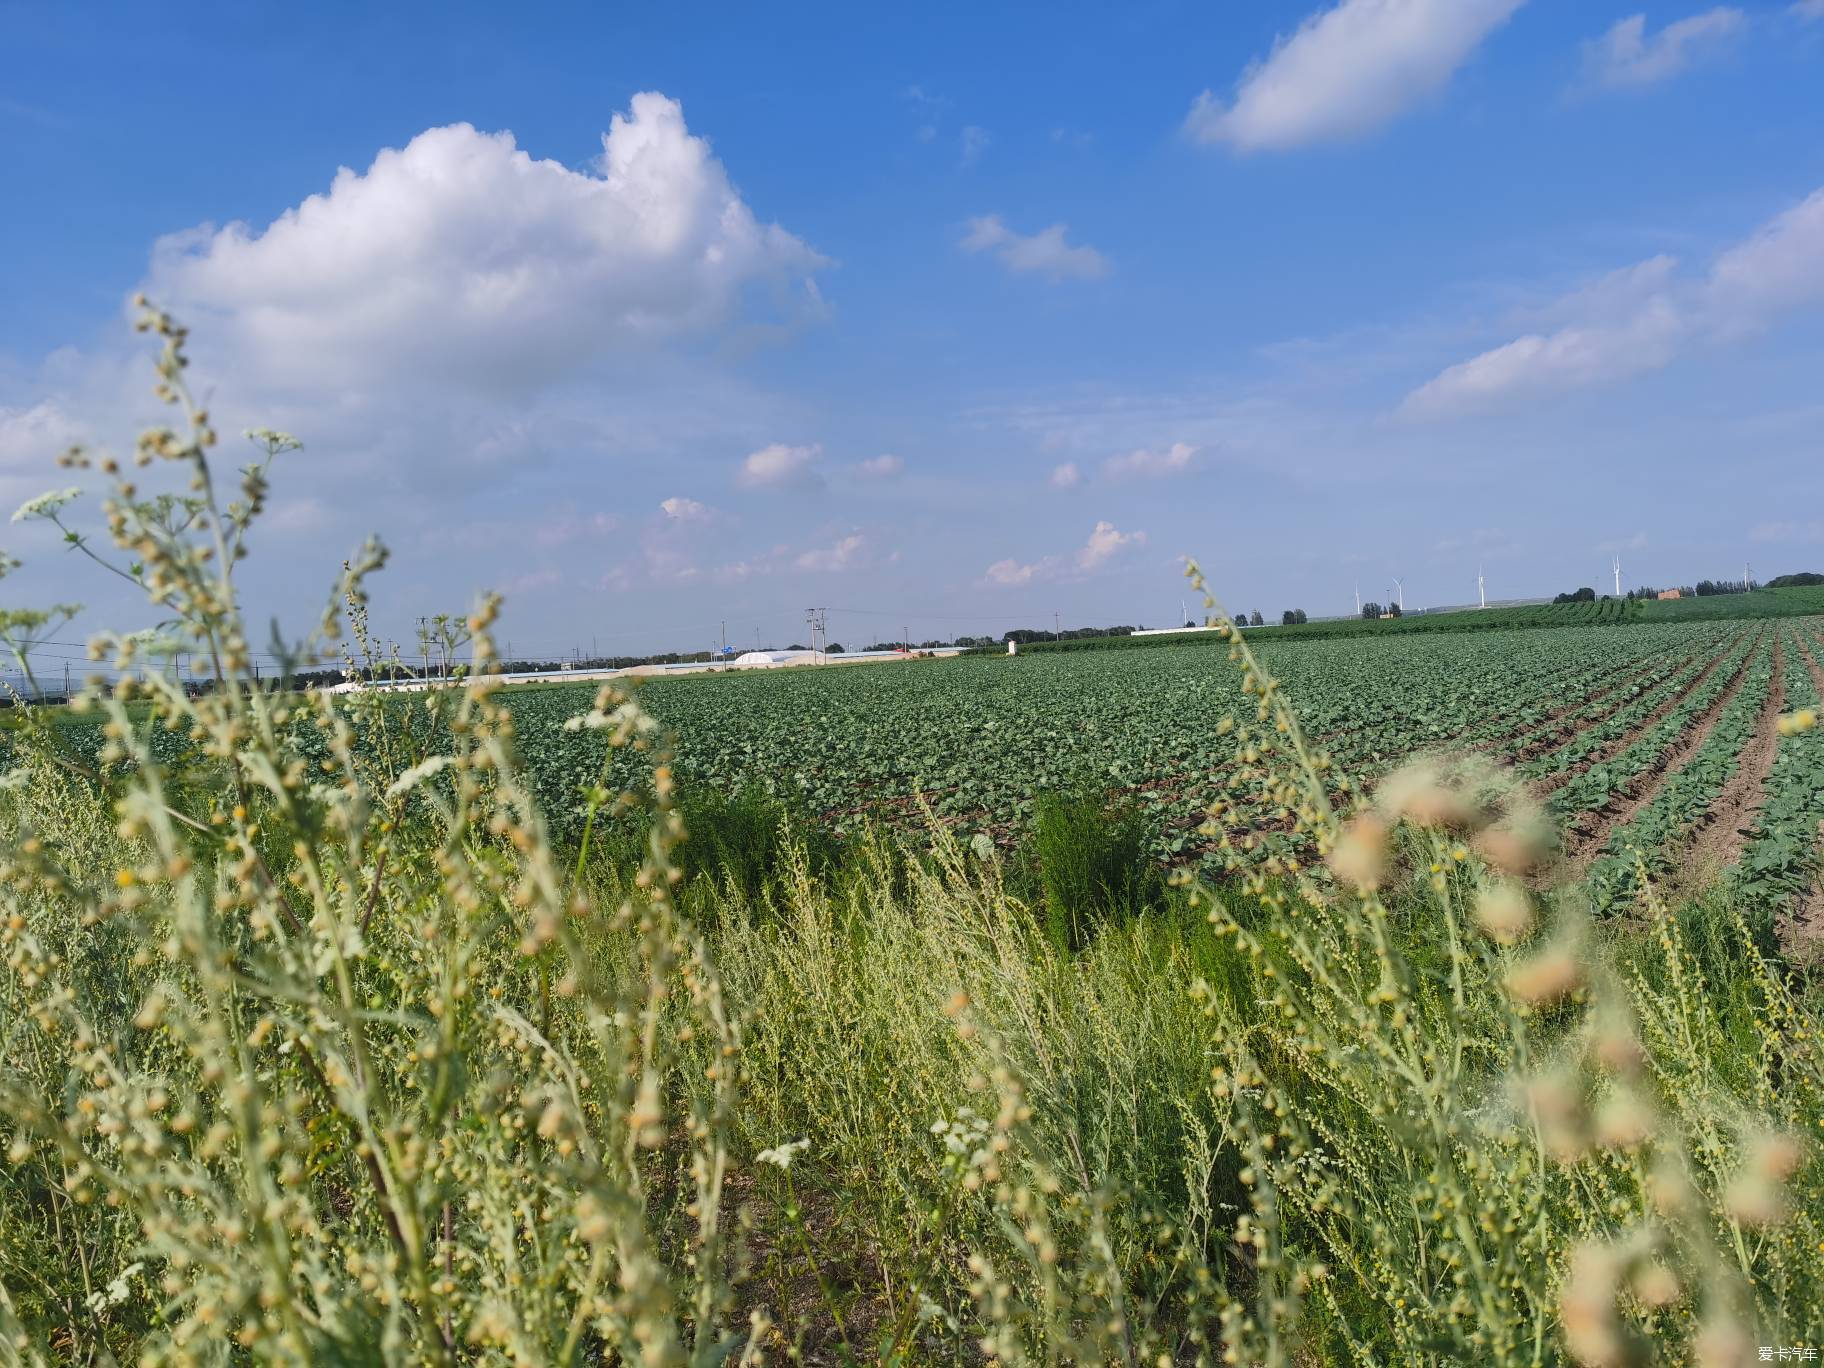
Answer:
(1358, 598)
(1481, 587)
(1399, 593)
(1618, 577)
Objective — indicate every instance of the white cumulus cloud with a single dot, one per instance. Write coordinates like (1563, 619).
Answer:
(1045, 252)
(1104, 544)
(1640, 319)
(1170, 460)
(1627, 56)
(1347, 71)
(779, 465)
(685, 510)
(461, 257)
(1066, 476)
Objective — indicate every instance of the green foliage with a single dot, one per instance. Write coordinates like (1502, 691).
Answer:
(749, 840)
(1093, 867)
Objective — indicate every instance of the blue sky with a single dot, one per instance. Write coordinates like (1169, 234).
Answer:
(949, 316)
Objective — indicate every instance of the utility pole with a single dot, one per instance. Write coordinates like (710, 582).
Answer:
(725, 636)
(816, 618)
(1747, 577)
(1057, 628)
(424, 648)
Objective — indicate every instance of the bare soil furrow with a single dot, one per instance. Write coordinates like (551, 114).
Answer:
(1589, 831)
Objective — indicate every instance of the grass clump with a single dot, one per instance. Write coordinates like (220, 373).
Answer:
(1089, 866)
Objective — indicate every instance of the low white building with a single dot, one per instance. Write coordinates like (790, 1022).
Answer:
(768, 659)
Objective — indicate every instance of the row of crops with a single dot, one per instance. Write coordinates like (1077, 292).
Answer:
(1780, 861)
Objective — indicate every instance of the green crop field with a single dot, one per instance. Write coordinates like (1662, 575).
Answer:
(1598, 719)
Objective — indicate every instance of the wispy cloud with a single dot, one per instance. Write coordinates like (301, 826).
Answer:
(883, 467)
(1105, 543)
(974, 142)
(1045, 252)
(1639, 319)
(574, 528)
(1637, 542)
(1172, 460)
(1785, 531)
(1066, 476)
(1347, 71)
(846, 554)
(1628, 57)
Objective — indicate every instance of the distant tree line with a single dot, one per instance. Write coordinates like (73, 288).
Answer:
(1027, 635)
(1797, 581)
(1711, 588)
(1372, 610)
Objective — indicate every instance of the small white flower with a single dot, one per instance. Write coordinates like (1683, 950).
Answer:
(782, 1155)
(46, 504)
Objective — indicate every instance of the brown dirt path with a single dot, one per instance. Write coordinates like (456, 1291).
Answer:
(1589, 831)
